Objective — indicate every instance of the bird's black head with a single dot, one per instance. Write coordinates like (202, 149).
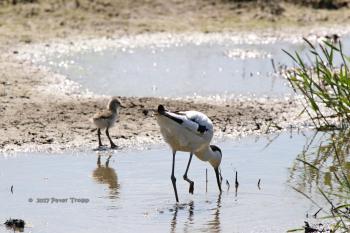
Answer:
(215, 162)
(215, 148)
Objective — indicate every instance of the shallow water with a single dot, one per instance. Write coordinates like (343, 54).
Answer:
(224, 69)
(134, 191)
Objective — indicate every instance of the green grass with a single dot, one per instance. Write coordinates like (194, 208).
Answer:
(324, 85)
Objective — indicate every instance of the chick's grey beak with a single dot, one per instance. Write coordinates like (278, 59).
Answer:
(218, 178)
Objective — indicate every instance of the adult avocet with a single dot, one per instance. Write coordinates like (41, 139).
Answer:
(106, 119)
(189, 131)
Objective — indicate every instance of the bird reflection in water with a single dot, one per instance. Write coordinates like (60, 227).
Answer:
(174, 220)
(104, 174)
(177, 207)
(212, 225)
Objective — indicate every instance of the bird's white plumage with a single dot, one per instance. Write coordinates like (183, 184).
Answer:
(189, 131)
(185, 136)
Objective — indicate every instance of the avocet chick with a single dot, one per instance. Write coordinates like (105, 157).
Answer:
(106, 119)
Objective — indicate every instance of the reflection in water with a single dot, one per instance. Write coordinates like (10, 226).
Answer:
(325, 170)
(323, 160)
(14, 229)
(214, 225)
(174, 220)
(189, 221)
(211, 226)
(103, 174)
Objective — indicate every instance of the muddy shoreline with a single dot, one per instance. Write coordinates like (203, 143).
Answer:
(44, 111)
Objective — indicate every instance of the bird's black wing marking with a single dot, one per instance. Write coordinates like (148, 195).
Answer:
(180, 113)
(173, 118)
(201, 128)
(162, 111)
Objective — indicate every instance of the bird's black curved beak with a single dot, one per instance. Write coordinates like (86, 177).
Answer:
(218, 177)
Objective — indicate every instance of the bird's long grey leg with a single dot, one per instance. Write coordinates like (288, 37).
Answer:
(99, 137)
(173, 179)
(110, 140)
(185, 175)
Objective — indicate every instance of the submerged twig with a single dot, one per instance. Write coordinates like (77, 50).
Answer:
(259, 184)
(273, 65)
(236, 184)
(206, 180)
(315, 214)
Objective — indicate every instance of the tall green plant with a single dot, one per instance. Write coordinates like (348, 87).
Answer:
(324, 85)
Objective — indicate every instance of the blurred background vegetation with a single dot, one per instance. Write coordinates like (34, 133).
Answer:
(100, 5)
(171, 15)
(329, 4)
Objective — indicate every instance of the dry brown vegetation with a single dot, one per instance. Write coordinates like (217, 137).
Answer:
(28, 20)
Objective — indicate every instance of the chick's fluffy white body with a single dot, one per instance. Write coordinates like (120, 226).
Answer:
(105, 119)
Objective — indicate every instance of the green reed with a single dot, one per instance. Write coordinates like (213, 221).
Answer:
(324, 85)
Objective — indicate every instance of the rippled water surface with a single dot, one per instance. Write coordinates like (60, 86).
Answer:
(222, 69)
(134, 190)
